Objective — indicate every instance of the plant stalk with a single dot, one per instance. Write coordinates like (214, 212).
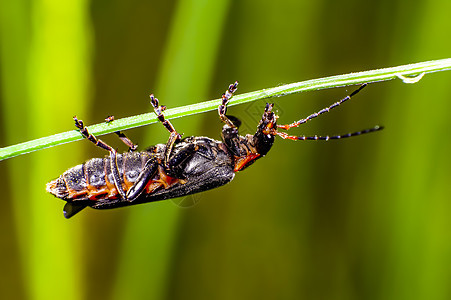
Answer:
(408, 73)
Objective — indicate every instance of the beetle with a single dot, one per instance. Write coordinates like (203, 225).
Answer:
(182, 166)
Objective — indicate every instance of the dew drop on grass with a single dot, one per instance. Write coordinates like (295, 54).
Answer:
(411, 79)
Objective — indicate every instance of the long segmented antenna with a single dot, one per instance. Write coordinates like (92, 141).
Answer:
(314, 115)
(324, 110)
(327, 137)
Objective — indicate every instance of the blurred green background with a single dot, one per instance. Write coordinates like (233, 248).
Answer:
(362, 218)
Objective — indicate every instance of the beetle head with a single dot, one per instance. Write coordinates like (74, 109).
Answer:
(266, 130)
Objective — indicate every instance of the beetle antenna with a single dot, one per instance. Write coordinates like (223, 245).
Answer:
(327, 137)
(324, 110)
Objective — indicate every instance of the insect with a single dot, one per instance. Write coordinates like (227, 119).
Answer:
(178, 168)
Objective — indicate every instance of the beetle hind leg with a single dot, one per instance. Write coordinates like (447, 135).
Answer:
(90, 137)
(113, 154)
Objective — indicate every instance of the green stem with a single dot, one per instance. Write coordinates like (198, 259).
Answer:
(404, 72)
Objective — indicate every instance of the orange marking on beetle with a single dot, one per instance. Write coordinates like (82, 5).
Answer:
(73, 194)
(111, 187)
(51, 186)
(93, 189)
(112, 191)
(165, 179)
(127, 184)
(152, 186)
(243, 162)
(98, 193)
(162, 180)
(97, 197)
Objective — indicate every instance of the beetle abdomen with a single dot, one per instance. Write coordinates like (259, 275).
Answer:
(93, 180)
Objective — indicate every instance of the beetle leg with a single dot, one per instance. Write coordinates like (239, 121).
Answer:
(116, 176)
(182, 155)
(222, 109)
(84, 131)
(122, 136)
(148, 171)
(167, 153)
(159, 112)
(174, 135)
(324, 110)
(131, 147)
(173, 164)
(113, 154)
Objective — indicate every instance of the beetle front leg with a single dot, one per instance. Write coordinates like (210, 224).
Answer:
(222, 109)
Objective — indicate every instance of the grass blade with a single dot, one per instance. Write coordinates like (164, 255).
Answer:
(404, 72)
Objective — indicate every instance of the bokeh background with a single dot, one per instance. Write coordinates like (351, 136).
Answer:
(362, 218)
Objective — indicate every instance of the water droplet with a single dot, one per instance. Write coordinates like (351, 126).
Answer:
(411, 78)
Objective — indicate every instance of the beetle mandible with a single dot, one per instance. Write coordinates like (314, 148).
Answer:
(178, 168)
